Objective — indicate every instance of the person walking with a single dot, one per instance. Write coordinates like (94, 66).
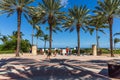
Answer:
(67, 51)
(48, 54)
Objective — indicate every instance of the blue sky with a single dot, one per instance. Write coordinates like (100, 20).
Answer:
(60, 39)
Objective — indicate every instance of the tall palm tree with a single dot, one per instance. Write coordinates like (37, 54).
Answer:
(45, 39)
(52, 15)
(18, 6)
(98, 24)
(78, 17)
(108, 8)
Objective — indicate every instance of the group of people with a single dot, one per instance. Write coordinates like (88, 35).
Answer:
(49, 52)
(55, 52)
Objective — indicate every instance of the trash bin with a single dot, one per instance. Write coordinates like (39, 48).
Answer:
(34, 50)
(94, 50)
(113, 69)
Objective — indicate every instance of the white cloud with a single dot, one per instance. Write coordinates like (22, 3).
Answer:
(64, 3)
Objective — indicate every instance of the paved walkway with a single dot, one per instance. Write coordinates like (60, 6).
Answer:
(30, 67)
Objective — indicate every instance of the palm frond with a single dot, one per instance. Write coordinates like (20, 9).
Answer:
(116, 40)
(116, 34)
(90, 30)
(102, 31)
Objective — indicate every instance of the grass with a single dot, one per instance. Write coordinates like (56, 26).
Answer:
(7, 52)
(106, 51)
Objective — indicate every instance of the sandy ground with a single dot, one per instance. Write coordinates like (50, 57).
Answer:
(37, 67)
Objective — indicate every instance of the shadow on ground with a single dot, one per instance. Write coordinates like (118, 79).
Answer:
(55, 69)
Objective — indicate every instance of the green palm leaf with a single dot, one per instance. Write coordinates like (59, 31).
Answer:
(117, 34)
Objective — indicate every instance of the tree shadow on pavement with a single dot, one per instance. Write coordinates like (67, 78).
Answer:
(55, 69)
(16, 61)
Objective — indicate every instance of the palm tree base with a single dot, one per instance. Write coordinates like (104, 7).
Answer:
(112, 55)
(17, 55)
(78, 54)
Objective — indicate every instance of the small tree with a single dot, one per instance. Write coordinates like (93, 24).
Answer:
(4, 39)
(34, 19)
(38, 35)
(98, 24)
(45, 39)
(116, 40)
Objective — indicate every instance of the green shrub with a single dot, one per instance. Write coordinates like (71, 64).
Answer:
(11, 46)
(117, 51)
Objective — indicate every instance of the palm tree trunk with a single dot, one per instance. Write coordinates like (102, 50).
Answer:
(111, 37)
(50, 21)
(78, 40)
(50, 42)
(114, 47)
(32, 35)
(19, 12)
(45, 45)
(97, 41)
(37, 42)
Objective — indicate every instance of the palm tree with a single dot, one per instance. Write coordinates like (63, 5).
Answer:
(34, 19)
(34, 27)
(12, 6)
(39, 34)
(116, 40)
(45, 38)
(52, 15)
(98, 24)
(14, 35)
(4, 39)
(78, 17)
(109, 9)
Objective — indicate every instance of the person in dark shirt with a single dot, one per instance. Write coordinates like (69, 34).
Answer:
(49, 54)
